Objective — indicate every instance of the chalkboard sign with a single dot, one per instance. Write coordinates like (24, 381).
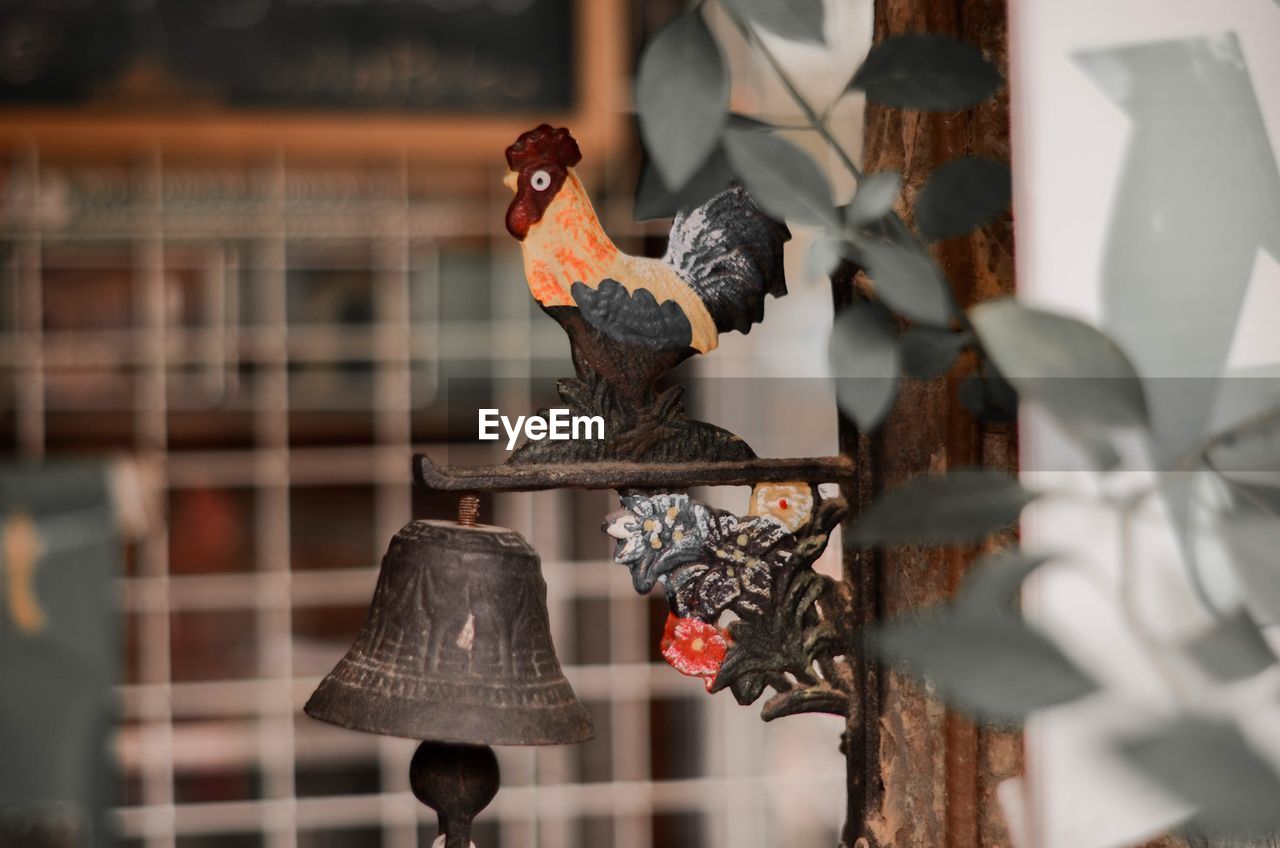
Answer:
(389, 55)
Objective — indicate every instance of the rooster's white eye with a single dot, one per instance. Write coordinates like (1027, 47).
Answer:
(540, 180)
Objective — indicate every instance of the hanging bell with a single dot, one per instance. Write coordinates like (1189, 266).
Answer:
(456, 646)
(456, 651)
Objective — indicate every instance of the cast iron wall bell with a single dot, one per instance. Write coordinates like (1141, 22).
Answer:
(456, 650)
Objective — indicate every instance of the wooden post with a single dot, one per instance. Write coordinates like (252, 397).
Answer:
(919, 774)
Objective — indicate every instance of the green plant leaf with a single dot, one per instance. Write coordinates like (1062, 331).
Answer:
(798, 20)
(825, 255)
(874, 198)
(928, 352)
(1074, 370)
(994, 581)
(1232, 649)
(988, 396)
(995, 666)
(864, 362)
(682, 97)
(1267, 497)
(961, 196)
(908, 281)
(1252, 538)
(655, 200)
(1212, 766)
(781, 177)
(962, 506)
(925, 71)
(1251, 446)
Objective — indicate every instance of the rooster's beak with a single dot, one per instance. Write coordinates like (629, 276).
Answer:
(510, 180)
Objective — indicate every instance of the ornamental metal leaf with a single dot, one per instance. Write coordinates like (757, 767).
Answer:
(863, 354)
(962, 506)
(926, 71)
(682, 97)
(781, 177)
(764, 649)
(961, 196)
(995, 666)
(819, 698)
(798, 20)
(1073, 369)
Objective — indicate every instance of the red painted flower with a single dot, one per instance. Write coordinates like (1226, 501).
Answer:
(693, 647)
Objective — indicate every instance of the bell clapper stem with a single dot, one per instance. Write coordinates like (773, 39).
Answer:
(457, 781)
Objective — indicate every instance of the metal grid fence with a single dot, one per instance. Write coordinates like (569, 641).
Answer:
(272, 344)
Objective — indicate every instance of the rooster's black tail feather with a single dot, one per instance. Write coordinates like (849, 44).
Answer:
(730, 253)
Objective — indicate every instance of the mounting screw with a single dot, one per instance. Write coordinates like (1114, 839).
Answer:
(468, 510)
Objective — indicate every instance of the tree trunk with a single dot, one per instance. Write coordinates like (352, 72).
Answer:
(921, 775)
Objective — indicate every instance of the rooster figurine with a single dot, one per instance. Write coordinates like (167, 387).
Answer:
(630, 319)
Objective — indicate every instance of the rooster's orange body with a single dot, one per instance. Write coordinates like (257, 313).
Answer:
(631, 318)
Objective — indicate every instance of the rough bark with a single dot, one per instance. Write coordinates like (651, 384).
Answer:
(920, 774)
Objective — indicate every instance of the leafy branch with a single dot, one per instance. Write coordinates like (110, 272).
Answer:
(921, 71)
(815, 121)
(978, 650)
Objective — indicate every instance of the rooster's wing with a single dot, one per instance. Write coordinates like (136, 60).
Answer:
(633, 318)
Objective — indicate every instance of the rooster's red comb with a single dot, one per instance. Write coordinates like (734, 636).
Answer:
(544, 144)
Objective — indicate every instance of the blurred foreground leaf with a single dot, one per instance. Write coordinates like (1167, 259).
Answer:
(908, 281)
(682, 97)
(988, 395)
(1213, 767)
(1070, 367)
(994, 581)
(1232, 649)
(962, 506)
(825, 255)
(874, 198)
(1252, 539)
(995, 666)
(961, 196)
(798, 20)
(864, 362)
(925, 71)
(655, 200)
(781, 177)
(928, 352)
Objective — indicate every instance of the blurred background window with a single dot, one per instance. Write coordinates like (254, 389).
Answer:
(269, 336)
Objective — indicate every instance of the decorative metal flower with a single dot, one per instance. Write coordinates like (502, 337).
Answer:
(656, 534)
(709, 560)
(694, 648)
(790, 618)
